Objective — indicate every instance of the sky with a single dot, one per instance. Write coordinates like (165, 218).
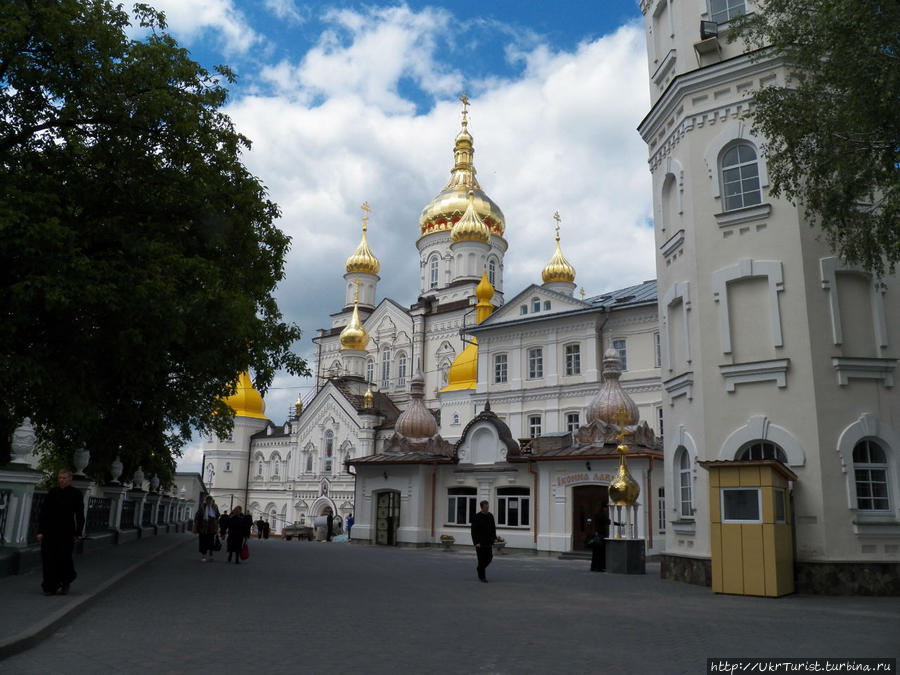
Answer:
(348, 102)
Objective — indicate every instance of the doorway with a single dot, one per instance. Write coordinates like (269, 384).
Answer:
(587, 500)
(387, 518)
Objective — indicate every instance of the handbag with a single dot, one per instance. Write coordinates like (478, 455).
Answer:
(245, 552)
(217, 544)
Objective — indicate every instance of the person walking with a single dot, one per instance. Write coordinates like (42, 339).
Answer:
(238, 534)
(259, 528)
(329, 525)
(601, 534)
(484, 534)
(349, 525)
(61, 523)
(206, 524)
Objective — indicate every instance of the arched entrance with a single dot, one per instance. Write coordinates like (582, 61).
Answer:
(387, 517)
(587, 500)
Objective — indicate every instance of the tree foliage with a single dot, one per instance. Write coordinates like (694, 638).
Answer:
(139, 256)
(834, 130)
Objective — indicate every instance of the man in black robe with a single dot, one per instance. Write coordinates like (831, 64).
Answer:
(60, 526)
(484, 534)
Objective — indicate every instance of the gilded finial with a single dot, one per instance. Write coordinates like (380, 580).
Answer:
(558, 269)
(366, 209)
(356, 292)
(557, 219)
(465, 112)
(623, 418)
(582, 293)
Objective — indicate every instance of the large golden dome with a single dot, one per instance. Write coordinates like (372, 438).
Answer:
(464, 369)
(363, 260)
(246, 401)
(558, 269)
(354, 336)
(445, 210)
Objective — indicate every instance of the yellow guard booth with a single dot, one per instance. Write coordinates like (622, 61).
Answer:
(751, 530)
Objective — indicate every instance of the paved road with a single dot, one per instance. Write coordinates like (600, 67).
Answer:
(339, 608)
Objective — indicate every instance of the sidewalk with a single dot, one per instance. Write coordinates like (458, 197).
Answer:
(27, 615)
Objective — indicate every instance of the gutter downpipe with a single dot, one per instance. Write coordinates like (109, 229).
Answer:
(433, 483)
(650, 503)
(535, 518)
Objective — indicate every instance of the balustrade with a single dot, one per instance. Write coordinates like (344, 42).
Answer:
(98, 514)
(127, 520)
(5, 497)
(37, 502)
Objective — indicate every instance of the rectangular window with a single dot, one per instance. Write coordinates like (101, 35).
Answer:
(500, 368)
(546, 305)
(573, 359)
(386, 369)
(328, 466)
(513, 506)
(534, 426)
(535, 304)
(460, 505)
(722, 11)
(657, 345)
(572, 422)
(741, 505)
(661, 509)
(523, 309)
(620, 346)
(535, 363)
(659, 417)
(871, 490)
(401, 370)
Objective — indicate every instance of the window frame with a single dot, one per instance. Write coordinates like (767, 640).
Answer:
(535, 356)
(501, 377)
(535, 423)
(686, 486)
(577, 424)
(739, 166)
(492, 271)
(434, 271)
(726, 9)
(572, 359)
(454, 496)
(621, 347)
(870, 467)
(535, 304)
(724, 505)
(386, 368)
(521, 497)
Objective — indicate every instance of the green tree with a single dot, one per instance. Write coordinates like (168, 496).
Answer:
(834, 130)
(139, 256)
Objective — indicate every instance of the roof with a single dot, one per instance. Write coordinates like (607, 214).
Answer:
(630, 296)
(381, 403)
(410, 457)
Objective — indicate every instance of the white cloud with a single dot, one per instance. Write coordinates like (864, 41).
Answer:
(561, 136)
(286, 10)
(189, 19)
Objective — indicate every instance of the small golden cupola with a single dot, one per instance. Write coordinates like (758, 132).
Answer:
(558, 270)
(354, 335)
(470, 227)
(464, 369)
(246, 401)
(363, 261)
(448, 207)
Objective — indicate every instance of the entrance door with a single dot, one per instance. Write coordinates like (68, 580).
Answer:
(387, 518)
(586, 501)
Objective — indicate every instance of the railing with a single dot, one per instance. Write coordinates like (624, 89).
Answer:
(145, 516)
(34, 521)
(161, 514)
(98, 514)
(5, 496)
(127, 520)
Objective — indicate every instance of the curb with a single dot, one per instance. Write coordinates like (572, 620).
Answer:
(32, 636)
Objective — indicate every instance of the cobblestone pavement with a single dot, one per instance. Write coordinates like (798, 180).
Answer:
(345, 608)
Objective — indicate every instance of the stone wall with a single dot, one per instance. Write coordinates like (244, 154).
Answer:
(847, 578)
(697, 571)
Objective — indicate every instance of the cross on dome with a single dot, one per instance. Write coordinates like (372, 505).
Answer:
(366, 209)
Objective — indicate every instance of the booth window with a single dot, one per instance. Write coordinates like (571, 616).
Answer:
(512, 506)
(741, 505)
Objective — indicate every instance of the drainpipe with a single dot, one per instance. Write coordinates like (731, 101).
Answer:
(433, 484)
(650, 504)
(535, 500)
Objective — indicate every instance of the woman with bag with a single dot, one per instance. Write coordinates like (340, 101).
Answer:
(238, 534)
(206, 524)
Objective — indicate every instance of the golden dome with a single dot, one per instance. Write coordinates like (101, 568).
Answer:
(363, 260)
(623, 490)
(464, 369)
(416, 422)
(298, 406)
(368, 397)
(246, 401)
(445, 210)
(470, 227)
(354, 336)
(611, 397)
(558, 269)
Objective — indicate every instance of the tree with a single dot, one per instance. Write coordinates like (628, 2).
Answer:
(834, 130)
(139, 256)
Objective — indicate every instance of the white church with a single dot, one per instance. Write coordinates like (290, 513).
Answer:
(756, 344)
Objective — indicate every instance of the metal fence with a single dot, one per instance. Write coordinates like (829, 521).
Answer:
(98, 514)
(34, 520)
(127, 520)
(5, 497)
(145, 516)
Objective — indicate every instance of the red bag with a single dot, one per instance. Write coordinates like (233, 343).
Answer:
(245, 552)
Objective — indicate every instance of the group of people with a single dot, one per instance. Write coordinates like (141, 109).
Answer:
(212, 527)
(262, 529)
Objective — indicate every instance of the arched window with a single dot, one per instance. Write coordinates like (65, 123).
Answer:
(259, 469)
(740, 177)
(401, 370)
(686, 508)
(329, 443)
(492, 271)
(386, 369)
(228, 466)
(309, 464)
(445, 370)
(277, 466)
(455, 418)
(761, 450)
(434, 265)
(870, 469)
(370, 371)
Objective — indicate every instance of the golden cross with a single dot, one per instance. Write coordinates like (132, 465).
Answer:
(366, 209)
(557, 219)
(622, 418)
(582, 293)
(356, 293)
(465, 102)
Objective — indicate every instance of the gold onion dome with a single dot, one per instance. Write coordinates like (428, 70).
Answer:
(611, 397)
(363, 260)
(623, 490)
(298, 405)
(445, 210)
(246, 401)
(354, 336)
(416, 422)
(558, 269)
(470, 227)
(464, 369)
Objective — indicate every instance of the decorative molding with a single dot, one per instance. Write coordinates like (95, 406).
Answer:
(745, 215)
(680, 385)
(771, 270)
(864, 369)
(672, 244)
(678, 292)
(828, 269)
(667, 64)
(756, 371)
(759, 428)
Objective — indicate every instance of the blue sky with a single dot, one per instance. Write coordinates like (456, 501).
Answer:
(349, 102)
